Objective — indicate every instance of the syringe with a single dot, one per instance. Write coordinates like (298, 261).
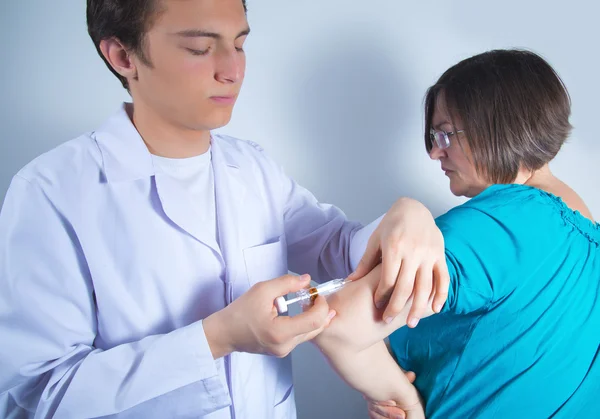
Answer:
(307, 296)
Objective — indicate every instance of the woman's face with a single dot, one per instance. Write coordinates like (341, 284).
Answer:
(456, 160)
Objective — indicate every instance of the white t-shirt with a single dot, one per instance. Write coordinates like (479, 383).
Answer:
(195, 175)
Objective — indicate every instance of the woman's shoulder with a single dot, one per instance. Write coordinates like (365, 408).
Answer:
(519, 207)
(496, 203)
(501, 197)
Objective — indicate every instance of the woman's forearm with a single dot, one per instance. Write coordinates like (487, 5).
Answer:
(374, 373)
(353, 343)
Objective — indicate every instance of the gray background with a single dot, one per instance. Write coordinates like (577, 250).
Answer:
(333, 92)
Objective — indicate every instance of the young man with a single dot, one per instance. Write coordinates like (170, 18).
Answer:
(137, 261)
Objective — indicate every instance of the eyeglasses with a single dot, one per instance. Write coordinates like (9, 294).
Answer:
(441, 138)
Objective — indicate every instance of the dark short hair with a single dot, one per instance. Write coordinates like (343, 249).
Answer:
(514, 109)
(126, 20)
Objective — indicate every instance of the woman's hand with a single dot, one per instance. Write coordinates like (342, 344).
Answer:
(390, 410)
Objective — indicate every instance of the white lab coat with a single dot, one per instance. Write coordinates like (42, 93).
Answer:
(105, 275)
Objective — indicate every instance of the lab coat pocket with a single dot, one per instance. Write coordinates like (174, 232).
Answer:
(266, 261)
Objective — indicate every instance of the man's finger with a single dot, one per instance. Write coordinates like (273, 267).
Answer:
(390, 266)
(442, 282)
(433, 290)
(369, 260)
(311, 335)
(402, 291)
(422, 289)
(286, 284)
(313, 319)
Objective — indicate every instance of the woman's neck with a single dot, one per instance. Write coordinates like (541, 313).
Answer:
(545, 180)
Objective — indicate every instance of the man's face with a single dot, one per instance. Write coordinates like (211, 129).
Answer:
(197, 62)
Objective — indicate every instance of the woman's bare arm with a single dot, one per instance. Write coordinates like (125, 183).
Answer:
(358, 323)
(353, 344)
(375, 374)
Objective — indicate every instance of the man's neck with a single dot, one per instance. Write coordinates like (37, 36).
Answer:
(164, 138)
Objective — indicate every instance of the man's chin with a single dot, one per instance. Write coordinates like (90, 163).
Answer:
(214, 122)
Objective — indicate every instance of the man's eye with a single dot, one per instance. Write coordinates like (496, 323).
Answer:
(198, 51)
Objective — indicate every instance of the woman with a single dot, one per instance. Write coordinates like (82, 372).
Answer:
(520, 331)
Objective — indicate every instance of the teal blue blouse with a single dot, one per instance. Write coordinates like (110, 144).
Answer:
(520, 331)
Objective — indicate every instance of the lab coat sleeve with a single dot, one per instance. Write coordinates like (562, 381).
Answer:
(320, 239)
(48, 362)
(360, 240)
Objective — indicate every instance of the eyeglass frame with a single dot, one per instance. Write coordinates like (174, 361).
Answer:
(447, 135)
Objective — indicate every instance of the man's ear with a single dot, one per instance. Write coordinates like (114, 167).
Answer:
(119, 58)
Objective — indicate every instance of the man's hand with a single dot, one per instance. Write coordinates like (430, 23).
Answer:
(251, 323)
(411, 249)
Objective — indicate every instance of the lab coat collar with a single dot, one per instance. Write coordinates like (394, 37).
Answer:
(125, 155)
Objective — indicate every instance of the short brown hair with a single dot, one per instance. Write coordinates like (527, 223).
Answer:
(514, 109)
(126, 20)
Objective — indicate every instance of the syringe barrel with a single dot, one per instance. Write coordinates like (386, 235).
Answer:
(310, 295)
(306, 297)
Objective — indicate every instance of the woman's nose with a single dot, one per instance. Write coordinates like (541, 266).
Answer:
(436, 153)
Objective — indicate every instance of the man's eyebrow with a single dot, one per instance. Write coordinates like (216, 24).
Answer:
(197, 33)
